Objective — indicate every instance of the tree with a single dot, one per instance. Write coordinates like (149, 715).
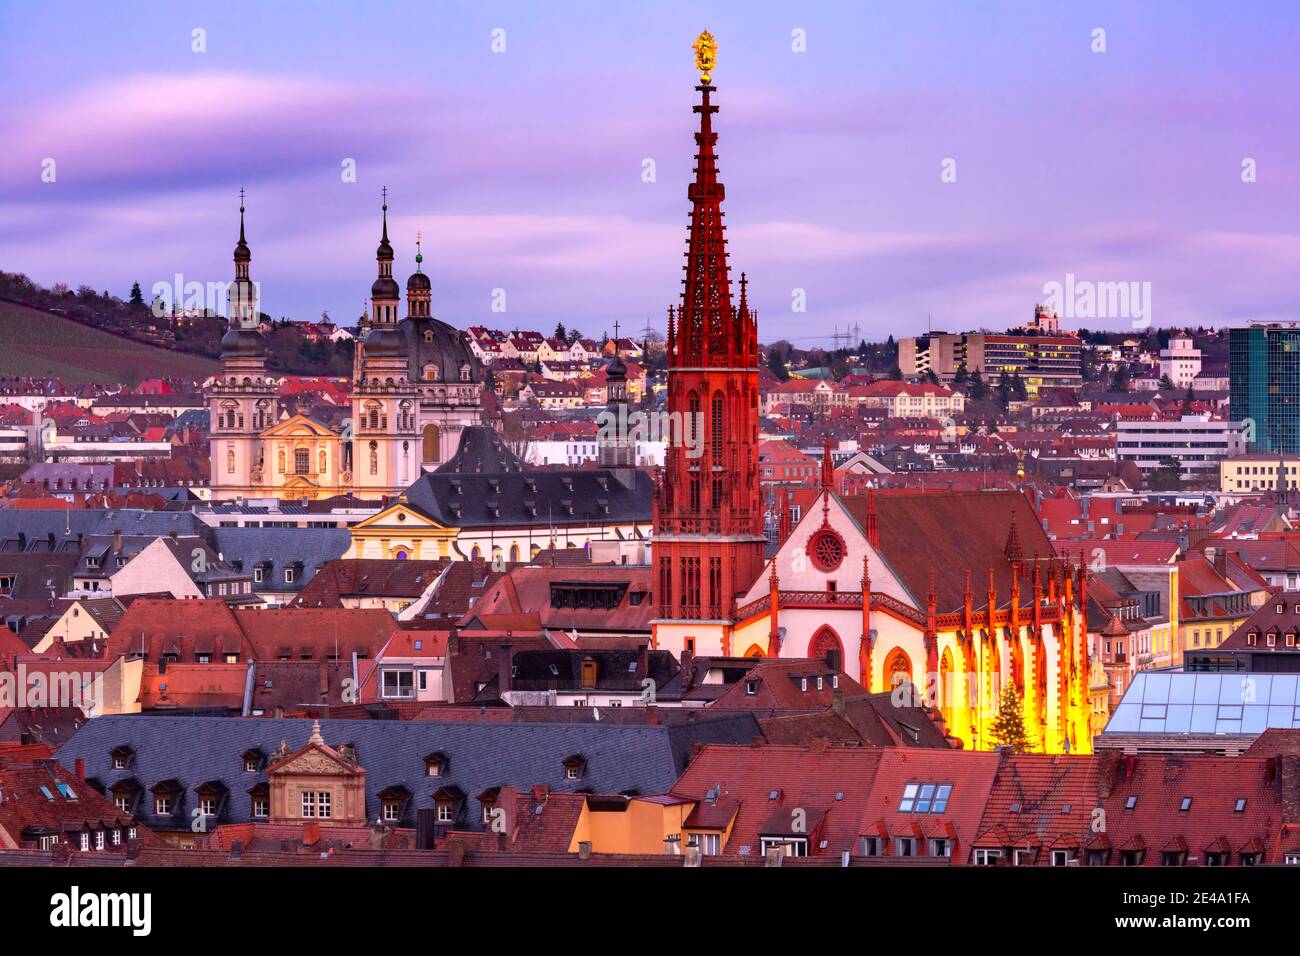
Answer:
(931, 377)
(978, 390)
(560, 333)
(961, 377)
(896, 373)
(1008, 727)
(1188, 399)
(1120, 380)
(1166, 383)
(1168, 477)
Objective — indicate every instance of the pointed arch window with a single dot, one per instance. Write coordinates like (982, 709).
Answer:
(715, 427)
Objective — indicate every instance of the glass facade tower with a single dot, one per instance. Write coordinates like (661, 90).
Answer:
(1264, 365)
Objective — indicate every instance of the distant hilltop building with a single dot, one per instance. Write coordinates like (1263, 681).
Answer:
(1181, 362)
(1042, 356)
(416, 386)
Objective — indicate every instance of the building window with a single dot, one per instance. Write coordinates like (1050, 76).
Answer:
(987, 857)
(162, 806)
(905, 846)
(308, 804)
(925, 798)
(939, 846)
(323, 800)
(208, 807)
(260, 807)
(872, 846)
(392, 811)
(1061, 857)
(444, 811)
(123, 803)
(85, 842)
(398, 684)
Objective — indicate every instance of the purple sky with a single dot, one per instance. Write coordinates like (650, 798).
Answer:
(523, 169)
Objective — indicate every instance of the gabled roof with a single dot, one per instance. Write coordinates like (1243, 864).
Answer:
(951, 533)
(1027, 807)
(762, 785)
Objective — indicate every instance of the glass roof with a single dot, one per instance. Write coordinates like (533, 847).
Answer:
(1230, 703)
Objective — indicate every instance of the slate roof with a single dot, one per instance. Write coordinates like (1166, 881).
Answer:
(486, 484)
(306, 549)
(196, 750)
(38, 575)
(66, 525)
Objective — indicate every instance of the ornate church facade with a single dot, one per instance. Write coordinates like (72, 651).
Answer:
(416, 386)
(951, 597)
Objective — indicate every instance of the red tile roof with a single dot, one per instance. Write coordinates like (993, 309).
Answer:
(767, 786)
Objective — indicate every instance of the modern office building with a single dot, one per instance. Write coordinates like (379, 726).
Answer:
(1042, 361)
(1197, 442)
(1264, 387)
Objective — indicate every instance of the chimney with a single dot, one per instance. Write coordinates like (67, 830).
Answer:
(80, 770)
(505, 654)
(837, 702)
(310, 834)
(688, 669)
(117, 539)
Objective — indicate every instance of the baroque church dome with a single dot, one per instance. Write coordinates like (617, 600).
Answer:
(438, 352)
(242, 343)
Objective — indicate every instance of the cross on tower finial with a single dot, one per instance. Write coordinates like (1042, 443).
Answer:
(616, 334)
(241, 198)
(384, 192)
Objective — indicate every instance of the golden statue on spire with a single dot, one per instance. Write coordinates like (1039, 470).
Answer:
(706, 55)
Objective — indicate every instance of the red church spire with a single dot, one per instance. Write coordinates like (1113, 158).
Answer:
(708, 532)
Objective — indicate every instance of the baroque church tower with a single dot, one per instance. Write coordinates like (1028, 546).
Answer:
(384, 435)
(708, 518)
(241, 399)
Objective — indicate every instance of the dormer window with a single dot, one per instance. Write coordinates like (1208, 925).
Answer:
(1251, 639)
(575, 766)
(252, 760)
(121, 756)
(488, 801)
(447, 802)
(436, 764)
(751, 688)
